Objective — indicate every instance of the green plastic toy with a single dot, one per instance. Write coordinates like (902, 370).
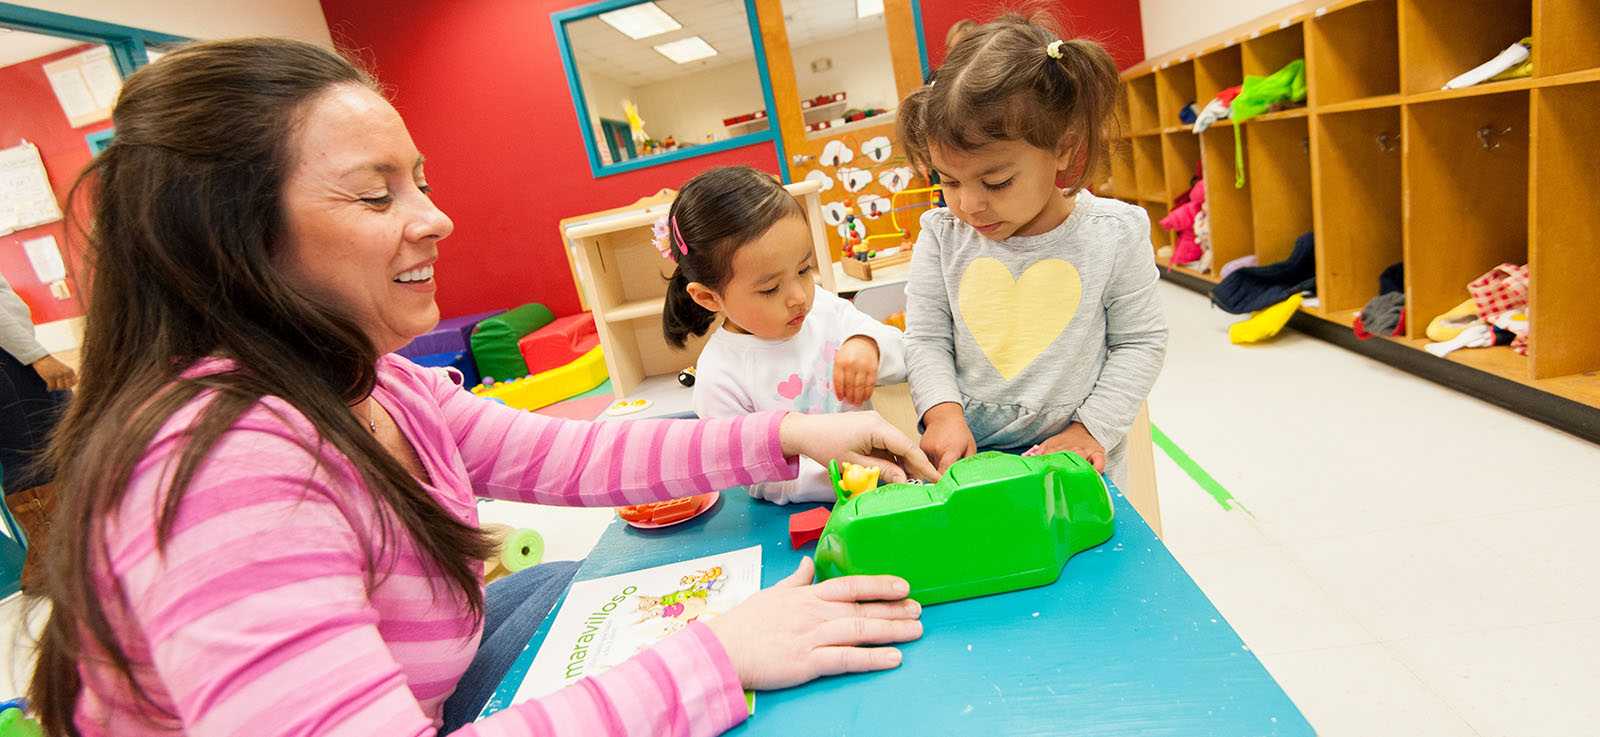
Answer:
(15, 723)
(996, 522)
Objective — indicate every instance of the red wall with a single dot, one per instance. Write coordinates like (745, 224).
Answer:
(31, 112)
(1114, 23)
(482, 90)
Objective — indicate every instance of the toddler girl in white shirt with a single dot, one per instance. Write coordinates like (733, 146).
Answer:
(744, 252)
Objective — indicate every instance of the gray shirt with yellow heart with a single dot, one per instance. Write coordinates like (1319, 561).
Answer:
(1034, 332)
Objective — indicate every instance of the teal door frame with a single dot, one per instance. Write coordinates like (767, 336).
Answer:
(598, 168)
(127, 43)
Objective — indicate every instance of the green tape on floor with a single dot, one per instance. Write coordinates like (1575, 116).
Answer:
(1194, 470)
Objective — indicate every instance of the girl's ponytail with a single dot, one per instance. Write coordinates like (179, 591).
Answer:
(683, 317)
(1083, 83)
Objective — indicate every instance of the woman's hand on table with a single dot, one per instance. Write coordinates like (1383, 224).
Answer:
(863, 438)
(797, 631)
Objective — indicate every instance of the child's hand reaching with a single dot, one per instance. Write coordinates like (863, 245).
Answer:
(946, 437)
(1075, 438)
(855, 370)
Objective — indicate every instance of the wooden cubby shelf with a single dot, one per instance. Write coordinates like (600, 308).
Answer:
(1278, 158)
(636, 309)
(1122, 172)
(1289, 114)
(1467, 179)
(1149, 179)
(1158, 237)
(1269, 52)
(1568, 37)
(1355, 53)
(1565, 227)
(1232, 229)
(1365, 103)
(1215, 72)
(1387, 167)
(1180, 153)
(1142, 112)
(1358, 193)
(1174, 89)
(1444, 38)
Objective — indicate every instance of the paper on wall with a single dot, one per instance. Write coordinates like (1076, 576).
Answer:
(105, 83)
(26, 198)
(86, 85)
(72, 91)
(45, 256)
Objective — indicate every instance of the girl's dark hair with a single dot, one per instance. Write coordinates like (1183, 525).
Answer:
(716, 213)
(186, 215)
(1000, 83)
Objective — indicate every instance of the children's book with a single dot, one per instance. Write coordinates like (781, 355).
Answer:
(605, 621)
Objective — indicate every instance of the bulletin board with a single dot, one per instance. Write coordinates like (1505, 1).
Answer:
(860, 166)
(26, 198)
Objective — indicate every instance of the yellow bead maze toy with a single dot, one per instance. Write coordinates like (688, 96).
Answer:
(862, 254)
(996, 522)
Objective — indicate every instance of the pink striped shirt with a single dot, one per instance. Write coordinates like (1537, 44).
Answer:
(260, 617)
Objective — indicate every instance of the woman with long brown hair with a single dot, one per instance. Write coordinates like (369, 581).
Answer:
(267, 522)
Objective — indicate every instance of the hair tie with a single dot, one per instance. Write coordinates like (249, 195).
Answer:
(1054, 49)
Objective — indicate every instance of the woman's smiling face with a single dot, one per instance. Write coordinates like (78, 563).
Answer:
(361, 228)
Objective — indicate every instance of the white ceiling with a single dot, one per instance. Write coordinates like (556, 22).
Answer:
(20, 46)
(601, 49)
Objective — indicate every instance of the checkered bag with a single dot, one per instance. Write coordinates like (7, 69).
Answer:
(1503, 289)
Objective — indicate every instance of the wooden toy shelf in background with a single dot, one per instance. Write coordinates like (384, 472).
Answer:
(623, 280)
(1385, 167)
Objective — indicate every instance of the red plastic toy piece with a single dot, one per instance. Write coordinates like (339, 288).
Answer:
(662, 513)
(805, 527)
(559, 343)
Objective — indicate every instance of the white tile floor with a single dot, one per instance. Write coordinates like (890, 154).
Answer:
(1412, 562)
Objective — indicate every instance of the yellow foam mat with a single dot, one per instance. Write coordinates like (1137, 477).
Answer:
(548, 387)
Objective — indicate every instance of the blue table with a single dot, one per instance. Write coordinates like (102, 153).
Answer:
(1124, 643)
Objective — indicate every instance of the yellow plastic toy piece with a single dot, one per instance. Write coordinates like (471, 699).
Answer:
(548, 387)
(855, 479)
(1264, 323)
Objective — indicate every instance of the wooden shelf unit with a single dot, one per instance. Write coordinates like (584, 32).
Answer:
(1277, 156)
(1141, 97)
(1354, 54)
(1180, 155)
(1215, 72)
(1174, 89)
(1357, 164)
(624, 283)
(1388, 168)
(1149, 177)
(1443, 38)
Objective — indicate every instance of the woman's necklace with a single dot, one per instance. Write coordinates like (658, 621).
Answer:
(371, 425)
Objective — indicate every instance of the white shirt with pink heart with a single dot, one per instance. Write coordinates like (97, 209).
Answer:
(740, 374)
